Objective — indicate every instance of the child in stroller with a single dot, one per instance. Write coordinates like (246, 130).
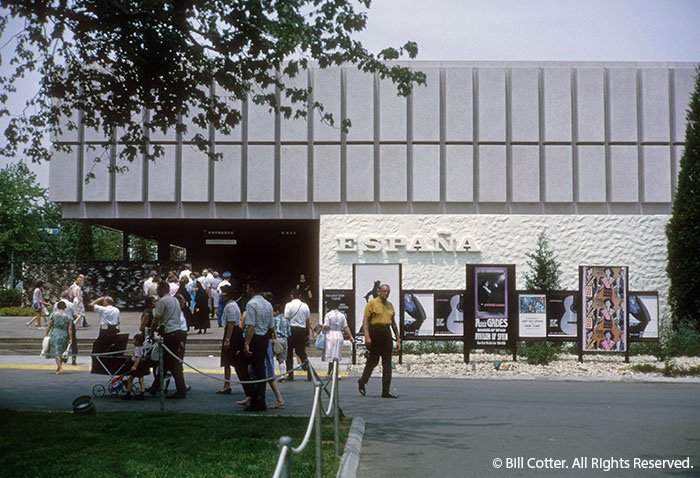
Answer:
(139, 368)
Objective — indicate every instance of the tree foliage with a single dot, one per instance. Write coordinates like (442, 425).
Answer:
(21, 212)
(117, 60)
(544, 268)
(683, 229)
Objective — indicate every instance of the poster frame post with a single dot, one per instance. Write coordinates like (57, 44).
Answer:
(510, 312)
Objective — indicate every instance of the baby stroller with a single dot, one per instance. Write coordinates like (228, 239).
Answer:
(114, 365)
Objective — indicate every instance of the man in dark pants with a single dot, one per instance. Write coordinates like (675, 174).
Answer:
(299, 316)
(232, 348)
(167, 316)
(260, 325)
(379, 316)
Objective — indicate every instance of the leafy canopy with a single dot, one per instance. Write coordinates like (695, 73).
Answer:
(113, 60)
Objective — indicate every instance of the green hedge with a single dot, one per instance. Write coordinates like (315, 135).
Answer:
(17, 312)
(10, 298)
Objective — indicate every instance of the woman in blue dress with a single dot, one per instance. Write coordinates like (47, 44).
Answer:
(60, 335)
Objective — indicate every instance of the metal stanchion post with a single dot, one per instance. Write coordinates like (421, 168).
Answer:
(161, 374)
(319, 452)
(286, 441)
(336, 413)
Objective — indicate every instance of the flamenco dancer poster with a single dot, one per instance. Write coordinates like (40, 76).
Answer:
(604, 296)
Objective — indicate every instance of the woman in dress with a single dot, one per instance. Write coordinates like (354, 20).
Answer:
(60, 335)
(201, 308)
(334, 323)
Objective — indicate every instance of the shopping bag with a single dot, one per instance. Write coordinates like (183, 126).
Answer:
(321, 341)
(45, 345)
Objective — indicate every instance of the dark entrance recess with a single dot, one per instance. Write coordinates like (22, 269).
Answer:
(273, 251)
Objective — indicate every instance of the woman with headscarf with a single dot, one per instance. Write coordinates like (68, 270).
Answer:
(201, 308)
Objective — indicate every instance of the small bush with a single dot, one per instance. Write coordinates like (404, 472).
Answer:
(17, 312)
(10, 298)
(645, 368)
(648, 348)
(673, 370)
(683, 340)
(539, 353)
(432, 347)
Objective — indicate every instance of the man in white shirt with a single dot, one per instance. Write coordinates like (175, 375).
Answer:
(109, 315)
(299, 316)
(167, 316)
(225, 282)
(150, 285)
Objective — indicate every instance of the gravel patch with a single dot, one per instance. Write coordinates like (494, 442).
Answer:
(566, 366)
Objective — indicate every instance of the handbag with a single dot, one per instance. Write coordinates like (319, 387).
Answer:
(321, 341)
(277, 346)
(45, 345)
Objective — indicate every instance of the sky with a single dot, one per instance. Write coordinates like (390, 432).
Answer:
(537, 30)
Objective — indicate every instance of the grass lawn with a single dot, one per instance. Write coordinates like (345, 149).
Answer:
(139, 444)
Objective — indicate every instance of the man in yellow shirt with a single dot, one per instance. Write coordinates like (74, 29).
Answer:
(379, 316)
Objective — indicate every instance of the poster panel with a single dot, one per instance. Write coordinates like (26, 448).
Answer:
(532, 315)
(604, 296)
(418, 318)
(449, 314)
(492, 317)
(562, 315)
(643, 316)
(491, 297)
(341, 299)
(367, 278)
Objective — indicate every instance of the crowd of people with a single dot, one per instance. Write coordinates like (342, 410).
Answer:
(259, 334)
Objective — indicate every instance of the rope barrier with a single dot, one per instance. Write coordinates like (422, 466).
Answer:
(231, 382)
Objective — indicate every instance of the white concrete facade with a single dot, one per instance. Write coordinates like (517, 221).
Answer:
(480, 138)
(631, 240)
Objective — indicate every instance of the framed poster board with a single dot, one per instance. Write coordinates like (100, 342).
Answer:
(532, 315)
(418, 315)
(562, 315)
(491, 306)
(449, 313)
(643, 316)
(604, 309)
(366, 280)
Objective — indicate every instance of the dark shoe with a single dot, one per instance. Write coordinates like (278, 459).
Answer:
(361, 388)
(226, 391)
(140, 396)
(177, 396)
(73, 362)
(389, 395)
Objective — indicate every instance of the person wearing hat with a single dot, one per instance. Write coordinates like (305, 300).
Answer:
(220, 309)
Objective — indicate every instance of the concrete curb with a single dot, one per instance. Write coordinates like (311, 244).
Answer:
(351, 456)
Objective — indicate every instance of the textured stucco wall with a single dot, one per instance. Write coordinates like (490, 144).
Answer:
(636, 241)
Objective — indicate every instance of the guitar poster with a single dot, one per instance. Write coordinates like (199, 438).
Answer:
(532, 315)
(418, 314)
(449, 315)
(492, 306)
(604, 296)
(367, 278)
(643, 316)
(562, 315)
